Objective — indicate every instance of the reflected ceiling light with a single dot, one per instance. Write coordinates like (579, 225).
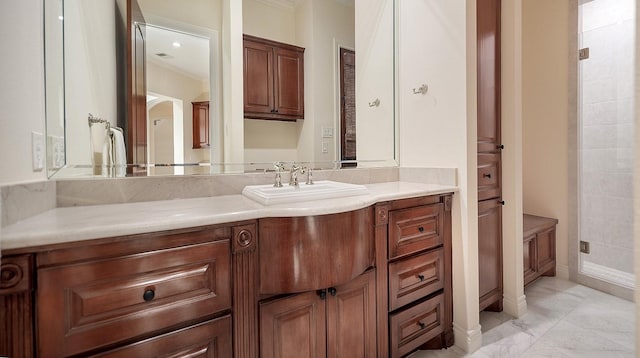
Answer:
(176, 44)
(60, 17)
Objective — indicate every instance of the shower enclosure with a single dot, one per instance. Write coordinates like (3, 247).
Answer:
(606, 31)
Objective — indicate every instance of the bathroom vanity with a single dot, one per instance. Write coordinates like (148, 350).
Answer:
(365, 276)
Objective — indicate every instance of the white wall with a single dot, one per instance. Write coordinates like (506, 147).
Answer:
(22, 95)
(439, 129)
(90, 76)
(636, 187)
(375, 77)
(160, 126)
(277, 23)
(169, 83)
(545, 116)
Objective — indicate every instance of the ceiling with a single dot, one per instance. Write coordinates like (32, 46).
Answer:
(190, 59)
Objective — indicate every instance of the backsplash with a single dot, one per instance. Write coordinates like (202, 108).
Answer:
(25, 200)
(21, 201)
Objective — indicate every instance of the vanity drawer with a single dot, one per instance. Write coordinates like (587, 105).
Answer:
(415, 278)
(415, 229)
(94, 304)
(208, 339)
(415, 326)
(488, 176)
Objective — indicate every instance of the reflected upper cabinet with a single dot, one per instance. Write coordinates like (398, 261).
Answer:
(273, 80)
(200, 124)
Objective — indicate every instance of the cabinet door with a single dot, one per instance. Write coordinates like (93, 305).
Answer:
(351, 318)
(258, 78)
(529, 258)
(293, 327)
(200, 124)
(289, 82)
(488, 75)
(490, 253)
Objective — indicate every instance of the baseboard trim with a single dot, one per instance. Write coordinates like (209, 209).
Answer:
(515, 307)
(562, 271)
(467, 340)
(609, 274)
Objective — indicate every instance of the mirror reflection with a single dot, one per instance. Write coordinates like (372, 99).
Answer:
(166, 79)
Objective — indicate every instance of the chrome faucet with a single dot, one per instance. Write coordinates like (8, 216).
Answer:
(309, 172)
(279, 167)
(293, 175)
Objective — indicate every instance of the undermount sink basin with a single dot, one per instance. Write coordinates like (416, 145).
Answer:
(323, 189)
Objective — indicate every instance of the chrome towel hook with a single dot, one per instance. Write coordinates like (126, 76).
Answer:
(422, 90)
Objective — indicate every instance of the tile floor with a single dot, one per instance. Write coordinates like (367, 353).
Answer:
(563, 319)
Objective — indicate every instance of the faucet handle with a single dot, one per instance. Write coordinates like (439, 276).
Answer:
(278, 166)
(309, 172)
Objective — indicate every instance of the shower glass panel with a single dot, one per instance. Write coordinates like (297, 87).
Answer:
(606, 73)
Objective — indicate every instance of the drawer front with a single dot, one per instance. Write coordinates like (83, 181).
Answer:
(414, 278)
(86, 306)
(415, 229)
(488, 176)
(415, 326)
(210, 339)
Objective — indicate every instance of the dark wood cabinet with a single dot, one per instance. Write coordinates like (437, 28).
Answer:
(16, 306)
(490, 254)
(539, 234)
(273, 80)
(93, 298)
(489, 156)
(200, 124)
(413, 259)
(333, 322)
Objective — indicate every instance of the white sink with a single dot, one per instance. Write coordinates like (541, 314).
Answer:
(323, 189)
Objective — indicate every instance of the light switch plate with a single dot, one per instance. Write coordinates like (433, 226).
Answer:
(325, 147)
(327, 132)
(37, 151)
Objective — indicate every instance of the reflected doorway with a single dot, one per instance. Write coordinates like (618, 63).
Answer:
(347, 107)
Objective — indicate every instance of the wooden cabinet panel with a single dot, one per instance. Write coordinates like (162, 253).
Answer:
(293, 327)
(93, 304)
(273, 80)
(351, 319)
(211, 339)
(16, 306)
(414, 326)
(415, 278)
(546, 245)
(200, 124)
(490, 252)
(488, 27)
(489, 176)
(301, 251)
(415, 229)
(530, 257)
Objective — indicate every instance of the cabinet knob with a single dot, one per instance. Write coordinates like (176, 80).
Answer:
(149, 294)
(487, 175)
(421, 228)
(421, 277)
(322, 293)
(500, 146)
(333, 291)
(422, 325)
(501, 202)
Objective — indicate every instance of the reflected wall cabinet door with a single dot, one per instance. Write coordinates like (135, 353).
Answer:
(200, 125)
(273, 80)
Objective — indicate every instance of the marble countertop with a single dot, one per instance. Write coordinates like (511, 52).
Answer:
(100, 221)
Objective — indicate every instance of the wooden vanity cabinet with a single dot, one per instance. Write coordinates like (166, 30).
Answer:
(273, 80)
(414, 266)
(16, 306)
(337, 322)
(200, 124)
(135, 294)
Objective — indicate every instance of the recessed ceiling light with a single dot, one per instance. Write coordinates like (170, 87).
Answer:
(176, 44)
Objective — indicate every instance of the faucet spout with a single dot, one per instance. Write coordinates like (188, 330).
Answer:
(293, 175)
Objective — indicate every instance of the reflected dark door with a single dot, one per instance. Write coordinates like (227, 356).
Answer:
(347, 106)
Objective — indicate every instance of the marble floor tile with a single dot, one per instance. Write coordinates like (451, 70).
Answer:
(563, 320)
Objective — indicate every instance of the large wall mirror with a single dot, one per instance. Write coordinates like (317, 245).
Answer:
(154, 87)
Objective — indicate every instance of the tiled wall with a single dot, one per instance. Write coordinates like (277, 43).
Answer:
(607, 132)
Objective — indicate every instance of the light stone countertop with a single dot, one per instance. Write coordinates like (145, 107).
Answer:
(100, 221)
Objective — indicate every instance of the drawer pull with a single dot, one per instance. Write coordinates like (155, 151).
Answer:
(422, 325)
(421, 277)
(421, 228)
(149, 294)
(487, 175)
(333, 291)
